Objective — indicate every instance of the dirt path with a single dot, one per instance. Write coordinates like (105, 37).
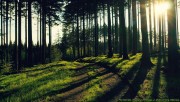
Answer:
(82, 80)
(114, 86)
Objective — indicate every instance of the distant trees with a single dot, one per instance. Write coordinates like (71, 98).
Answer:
(125, 42)
(91, 28)
(21, 8)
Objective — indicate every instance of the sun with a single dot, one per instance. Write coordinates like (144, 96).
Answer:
(161, 8)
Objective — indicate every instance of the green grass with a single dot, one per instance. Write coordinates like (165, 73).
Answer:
(36, 82)
(97, 87)
(159, 84)
(43, 82)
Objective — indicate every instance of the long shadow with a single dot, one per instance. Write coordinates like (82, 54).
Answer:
(110, 68)
(84, 71)
(80, 91)
(5, 94)
(155, 87)
(138, 80)
(28, 86)
(117, 89)
(173, 84)
(73, 85)
(49, 67)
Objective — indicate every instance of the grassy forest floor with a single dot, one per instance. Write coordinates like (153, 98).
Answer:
(91, 79)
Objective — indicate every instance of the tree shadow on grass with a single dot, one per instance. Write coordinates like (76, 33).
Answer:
(173, 84)
(5, 94)
(156, 80)
(49, 68)
(73, 85)
(34, 84)
(117, 89)
(136, 83)
(80, 91)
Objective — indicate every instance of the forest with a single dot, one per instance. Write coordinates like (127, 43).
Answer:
(89, 50)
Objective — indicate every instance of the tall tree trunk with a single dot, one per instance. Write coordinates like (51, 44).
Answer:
(120, 32)
(160, 33)
(43, 33)
(154, 11)
(110, 53)
(49, 38)
(99, 30)
(129, 38)
(112, 25)
(150, 26)
(1, 46)
(10, 26)
(172, 38)
(123, 30)
(145, 62)
(163, 32)
(19, 35)
(29, 34)
(4, 33)
(104, 30)
(7, 30)
(116, 45)
(90, 47)
(84, 38)
(1, 22)
(134, 27)
(77, 34)
(26, 50)
(40, 45)
(96, 30)
(74, 50)
(16, 44)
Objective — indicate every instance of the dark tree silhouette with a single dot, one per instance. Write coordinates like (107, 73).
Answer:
(123, 30)
(172, 38)
(19, 35)
(146, 62)
(110, 53)
(29, 34)
(134, 27)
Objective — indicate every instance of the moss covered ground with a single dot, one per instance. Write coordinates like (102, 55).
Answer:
(91, 79)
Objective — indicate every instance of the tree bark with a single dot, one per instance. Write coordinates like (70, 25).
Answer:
(123, 31)
(120, 32)
(43, 32)
(96, 31)
(172, 38)
(150, 26)
(16, 45)
(49, 38)
(116, 46)
(29, 34)
(104, 31)
(145, 62)
(19, 35)
(84, 38)
(134, 28)
(110, 53)
(154, 11)
(7, 31)
(77, 34)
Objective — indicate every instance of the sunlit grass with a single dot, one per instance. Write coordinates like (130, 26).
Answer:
(36, 82)
(43, 82)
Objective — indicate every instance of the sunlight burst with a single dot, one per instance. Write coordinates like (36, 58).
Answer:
(160, 8)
